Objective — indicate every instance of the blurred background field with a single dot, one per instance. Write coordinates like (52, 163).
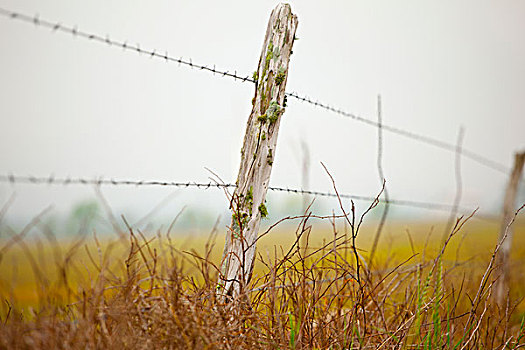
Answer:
(34, 266)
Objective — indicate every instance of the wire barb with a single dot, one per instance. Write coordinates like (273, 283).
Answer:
(480, 159)
(52, 180)
(124, 45)
(407, 133)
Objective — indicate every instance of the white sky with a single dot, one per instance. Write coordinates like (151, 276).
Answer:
(76, 108)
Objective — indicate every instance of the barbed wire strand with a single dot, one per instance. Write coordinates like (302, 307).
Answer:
(75, 31)
(51, 180)
(409, 134)
(57, 26)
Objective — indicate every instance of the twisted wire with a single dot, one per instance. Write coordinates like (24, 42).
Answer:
(57, 26)
(406, 133)
(51, 180)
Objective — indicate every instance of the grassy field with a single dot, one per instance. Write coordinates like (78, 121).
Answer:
(159, 291)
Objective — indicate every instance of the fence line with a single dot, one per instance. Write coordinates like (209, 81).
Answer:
(480, 159)
(57, 26)
(409, 134)
(51, 180)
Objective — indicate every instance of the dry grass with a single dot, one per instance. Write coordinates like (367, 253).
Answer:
(147, 292)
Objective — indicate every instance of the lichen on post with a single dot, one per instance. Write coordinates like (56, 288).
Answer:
(258, 152)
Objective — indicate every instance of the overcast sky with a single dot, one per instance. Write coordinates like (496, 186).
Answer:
(71, 107)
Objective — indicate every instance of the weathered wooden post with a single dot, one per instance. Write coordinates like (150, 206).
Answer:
(509, 207)
(258, 152)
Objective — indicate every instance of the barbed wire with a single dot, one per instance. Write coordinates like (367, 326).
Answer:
(52, 180)
(75, 31)
(57, 26)
(407, 133)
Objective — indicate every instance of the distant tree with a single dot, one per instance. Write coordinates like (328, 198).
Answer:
(83, 217)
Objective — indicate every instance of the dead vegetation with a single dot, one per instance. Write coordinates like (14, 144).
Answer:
(304, 297)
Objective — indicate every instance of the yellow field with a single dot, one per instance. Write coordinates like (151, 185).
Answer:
(29, 270)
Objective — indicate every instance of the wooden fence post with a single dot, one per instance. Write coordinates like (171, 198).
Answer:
(509, 207)
(258, 152)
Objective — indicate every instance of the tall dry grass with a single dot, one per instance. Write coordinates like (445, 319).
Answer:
(309, 296)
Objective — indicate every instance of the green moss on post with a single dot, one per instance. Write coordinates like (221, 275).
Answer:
(262, 118)
(274, 111)
(269, 157)
(279, 78)
(263, 210)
